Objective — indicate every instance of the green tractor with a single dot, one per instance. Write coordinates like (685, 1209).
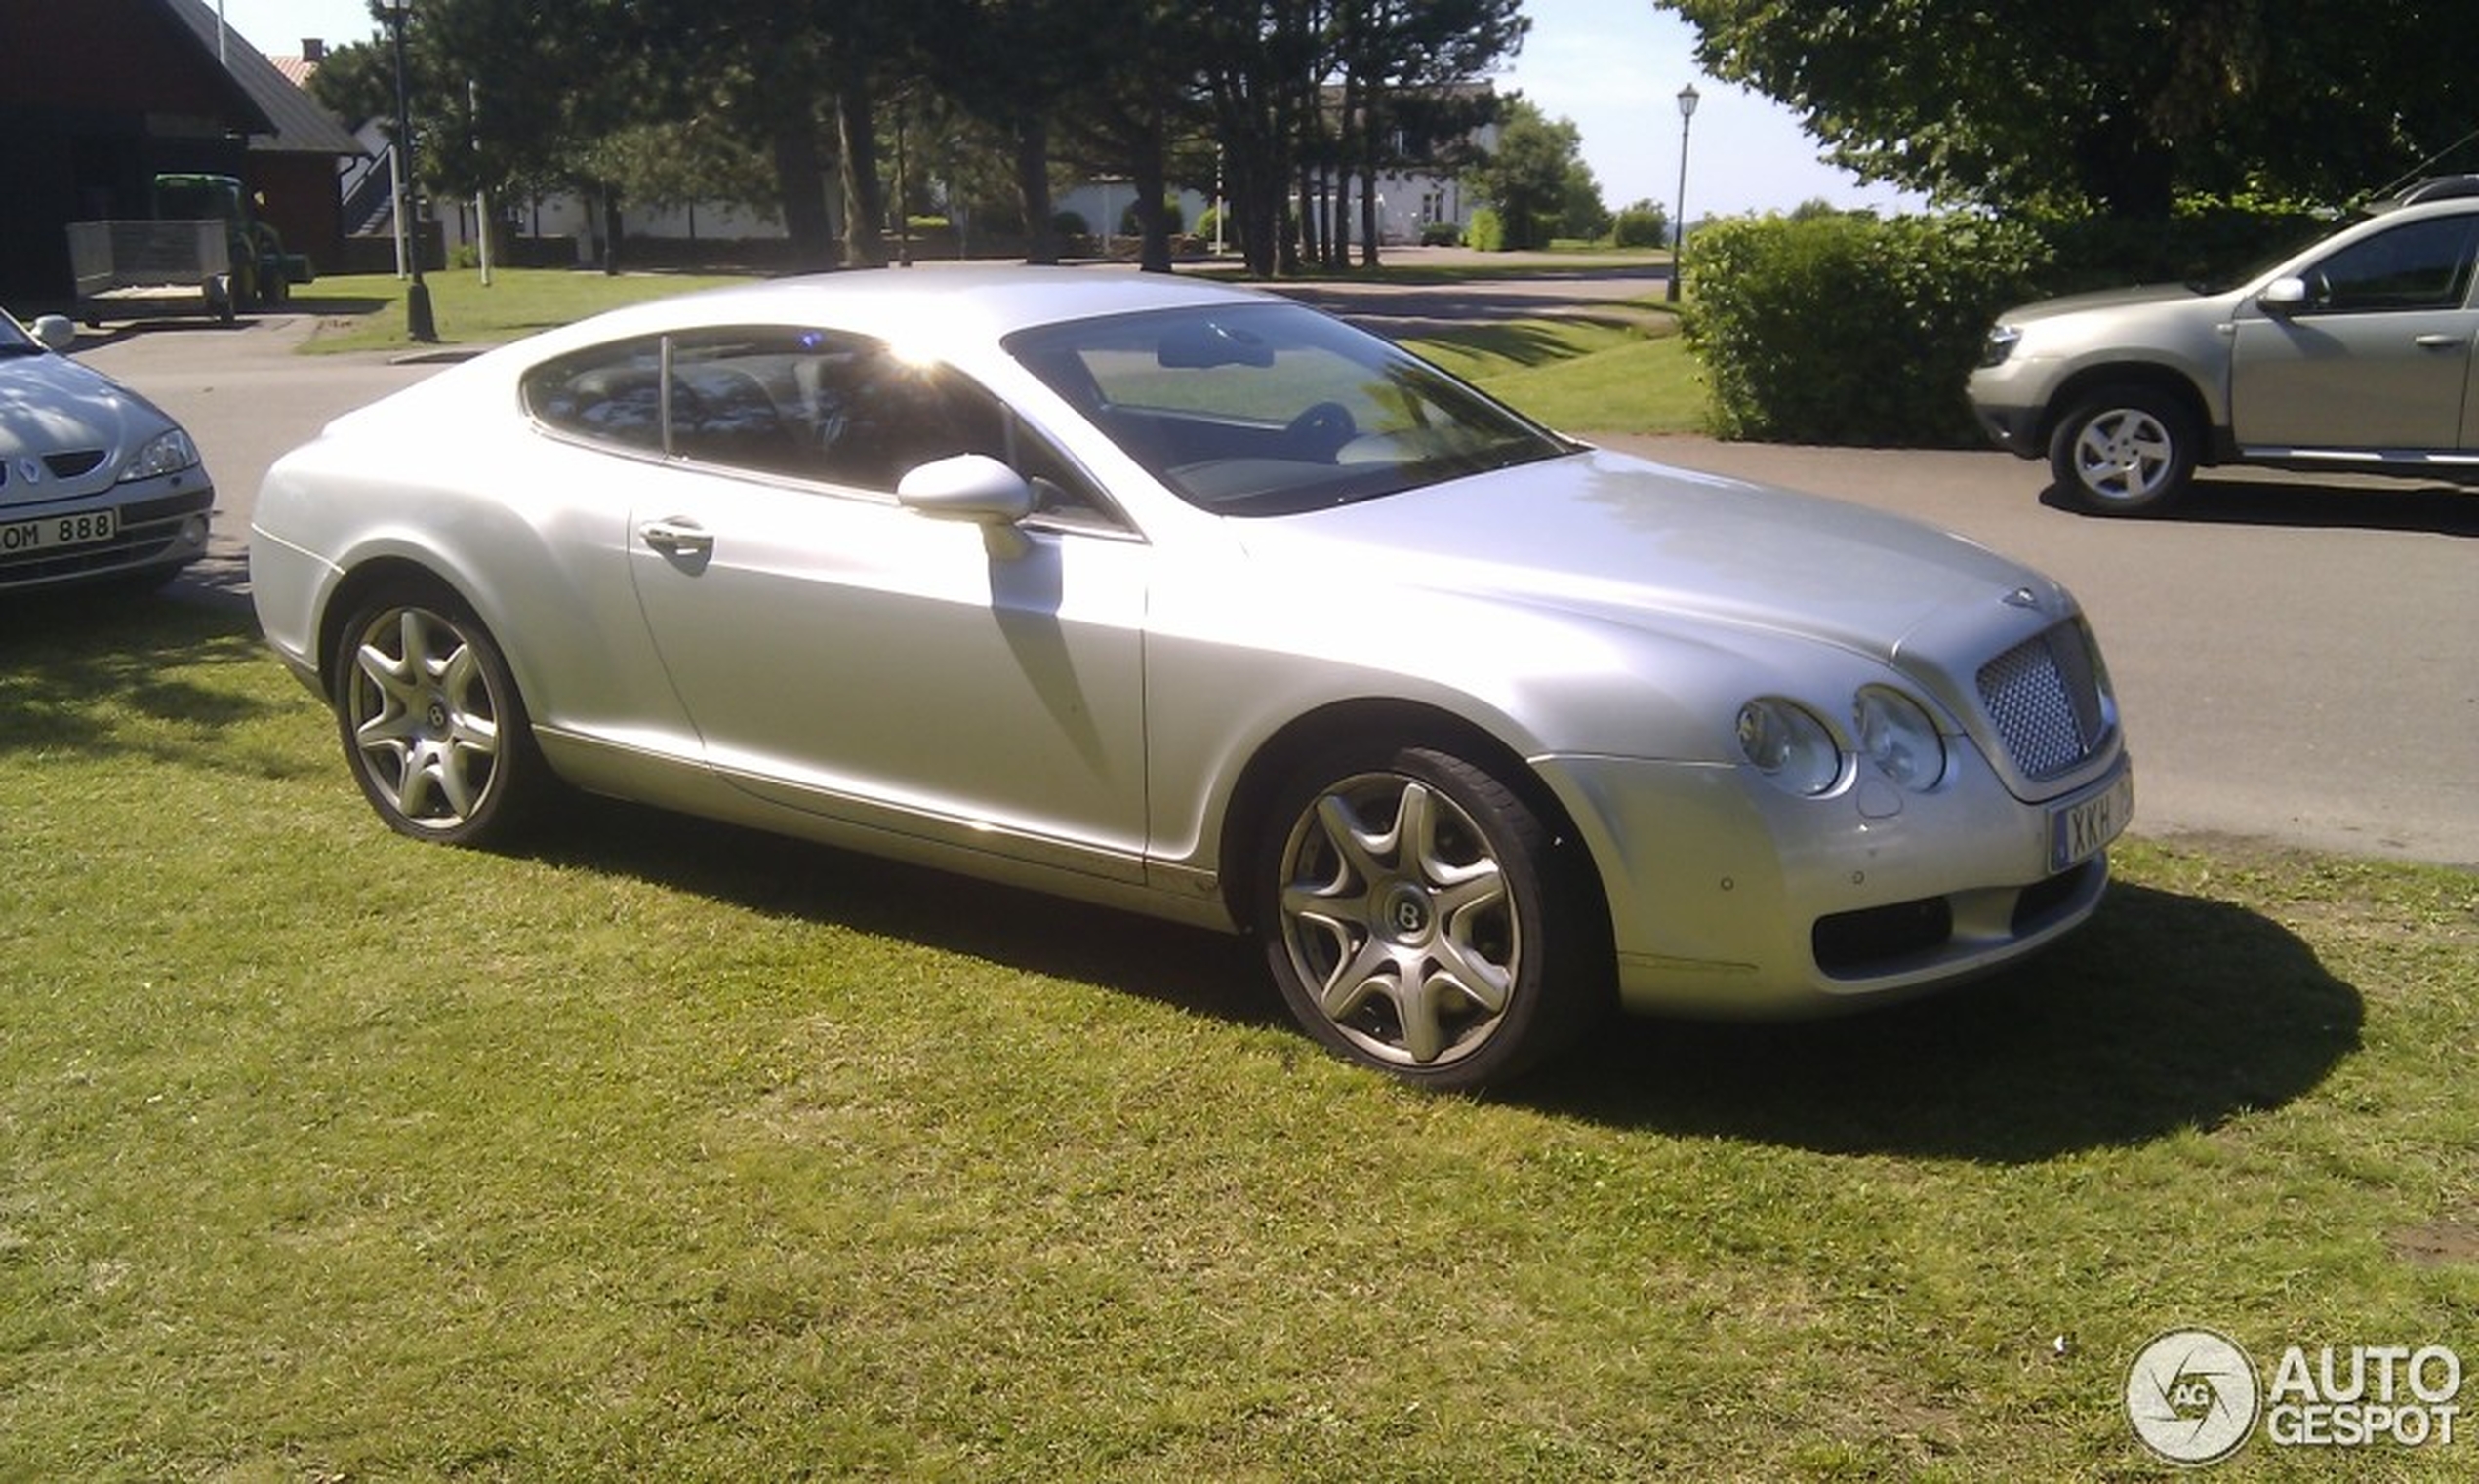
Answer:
(262, 273)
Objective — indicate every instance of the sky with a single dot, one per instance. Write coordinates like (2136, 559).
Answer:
(1613, 67)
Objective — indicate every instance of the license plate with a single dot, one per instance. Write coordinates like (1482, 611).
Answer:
(2082, 829)
(54, 531)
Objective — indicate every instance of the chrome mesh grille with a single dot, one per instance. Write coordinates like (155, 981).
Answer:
(2043, 697)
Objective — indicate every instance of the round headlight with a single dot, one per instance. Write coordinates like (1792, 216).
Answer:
(1899, 737)
(1788, 744)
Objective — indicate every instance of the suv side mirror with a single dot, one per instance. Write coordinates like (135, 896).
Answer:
(55, 332)
(2282, 294)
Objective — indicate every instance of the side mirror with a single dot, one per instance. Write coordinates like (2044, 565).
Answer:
(2282, 294)
(975, 488)
(55, 332)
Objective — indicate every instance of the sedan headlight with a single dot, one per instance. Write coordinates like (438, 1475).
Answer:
(2001, 344)
(1788, 744)
(166, 453)
(1899, 737)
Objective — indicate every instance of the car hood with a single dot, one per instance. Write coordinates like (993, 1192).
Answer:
(1639, 543)
(58, 411)
(2106, 298)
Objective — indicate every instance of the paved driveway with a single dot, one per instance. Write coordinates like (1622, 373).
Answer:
(2299, 661)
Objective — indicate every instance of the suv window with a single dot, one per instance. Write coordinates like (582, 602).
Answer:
(2421, 265)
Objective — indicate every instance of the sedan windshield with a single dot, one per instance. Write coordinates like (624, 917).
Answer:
(1273, 409)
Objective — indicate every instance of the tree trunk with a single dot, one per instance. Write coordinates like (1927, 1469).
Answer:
(1033, 187)
(800, 185)
(610, 229)
(864, 207)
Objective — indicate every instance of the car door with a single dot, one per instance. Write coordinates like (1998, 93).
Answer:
(843, 655)
(2378, 357)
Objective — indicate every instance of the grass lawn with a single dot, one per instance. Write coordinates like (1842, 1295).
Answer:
(366, 311)
(665, 1150)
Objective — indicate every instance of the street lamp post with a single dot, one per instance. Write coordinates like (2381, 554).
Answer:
(1679, 229)
(418, 322)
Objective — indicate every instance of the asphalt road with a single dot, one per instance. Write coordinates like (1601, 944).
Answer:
(2298, 660)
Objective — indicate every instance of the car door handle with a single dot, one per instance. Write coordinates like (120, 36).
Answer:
(676, 538)
(2438, 341)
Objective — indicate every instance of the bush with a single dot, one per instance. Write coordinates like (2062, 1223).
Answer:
(1487, 231)
(1641, 226)
(1440, 234)
(1131, 226)
(1848, 329)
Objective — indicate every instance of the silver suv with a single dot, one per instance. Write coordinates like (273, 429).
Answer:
(2354, 355)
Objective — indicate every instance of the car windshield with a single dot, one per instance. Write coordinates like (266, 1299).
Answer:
(14, 341)
(1273, 409)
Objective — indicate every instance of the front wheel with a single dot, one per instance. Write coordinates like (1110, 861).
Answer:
(2124, 451)
(1422, 919)
(430, 721)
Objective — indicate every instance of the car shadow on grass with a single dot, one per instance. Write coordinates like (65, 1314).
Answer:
(2165, 1012)
(1217, 975)
(2271, 498)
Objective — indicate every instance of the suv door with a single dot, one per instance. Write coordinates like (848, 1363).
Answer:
(2378, 357)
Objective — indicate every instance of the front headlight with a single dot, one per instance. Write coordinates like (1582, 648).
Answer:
(1788, 744)
(2001, 344)
(1899, 738)
(166, 453)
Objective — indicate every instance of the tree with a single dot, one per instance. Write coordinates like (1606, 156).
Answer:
(1406, 66)
(2120, 106)
(1530, 175)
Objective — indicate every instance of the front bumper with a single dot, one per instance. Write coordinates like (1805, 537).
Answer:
(153, 534)
(2015, 430)
(1731, 898)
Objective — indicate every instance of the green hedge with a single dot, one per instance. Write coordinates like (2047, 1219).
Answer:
(1845, 328)
(1639, 226)
(1487, 231)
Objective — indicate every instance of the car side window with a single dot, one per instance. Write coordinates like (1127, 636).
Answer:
(2419, 265)
(801, 404)
(609, 394)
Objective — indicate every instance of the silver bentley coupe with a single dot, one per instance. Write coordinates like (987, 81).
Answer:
(1186, 600)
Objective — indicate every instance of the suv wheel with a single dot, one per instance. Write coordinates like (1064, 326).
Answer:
(2124, 451)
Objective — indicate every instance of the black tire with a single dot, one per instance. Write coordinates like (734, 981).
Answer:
(1456, 968)
(2124, 451)
(430, 721)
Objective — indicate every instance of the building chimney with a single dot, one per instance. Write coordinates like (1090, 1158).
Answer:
(314, 50)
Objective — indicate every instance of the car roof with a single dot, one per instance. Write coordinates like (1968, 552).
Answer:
(929, 306)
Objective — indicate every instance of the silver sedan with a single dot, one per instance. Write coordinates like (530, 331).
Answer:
(98, 486)
(1191, 601)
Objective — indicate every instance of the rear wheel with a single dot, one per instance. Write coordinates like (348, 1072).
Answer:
(1422, 920)
(431, 720)
(2124, 451)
